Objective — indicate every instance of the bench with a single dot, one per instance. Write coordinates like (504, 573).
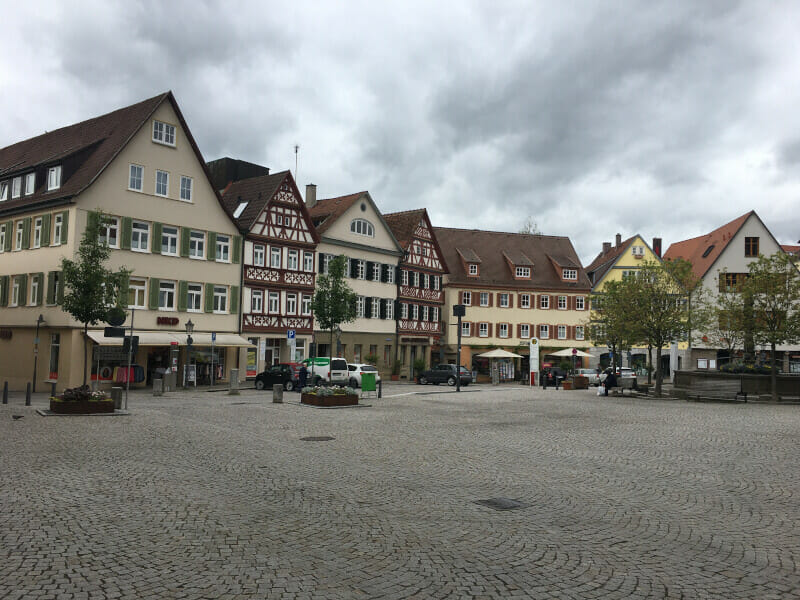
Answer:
(628, 383)
(717, 389)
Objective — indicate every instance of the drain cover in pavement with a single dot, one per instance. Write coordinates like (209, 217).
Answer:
(317, 438)
(501, 503)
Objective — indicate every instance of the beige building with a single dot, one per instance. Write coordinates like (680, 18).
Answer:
(142, 168)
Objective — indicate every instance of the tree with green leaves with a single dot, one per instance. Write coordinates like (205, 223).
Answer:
(91, 289)
(334, 302)
(773, 289)
(724, 319)
(609, 323)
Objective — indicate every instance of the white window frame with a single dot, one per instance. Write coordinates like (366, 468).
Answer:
(403, 310)
(561, 332)
(164, 133)
(167, 290)
(502, 330)
(570, 274)
(426, 281)
(197, 244)
(16, 187)
(14, 300)
(361, 269)
(171, 234)
(34, 290)
(2, 237)
(562, 303)
(484, 299)
(19, 234)
(544, 302)
(524, 300)
(133, 178)
(3, 191)
(274, 303)
(390, 273)
(137, 291)
(293, 259)
(111, 225)
(473, 269)
(259, 252)
(580, 303)
(403, 277)
(524, 331)
(544, 332)
(362, 227)
(483, 330)
(275, 257)
(165, 183)
(291, 303)
(376, 271)
(194, 297)
(523, 272)
(58, 224)
(415, 312)
(305, 304)
(326, 261)
(187, 183)
(222, 248)
(466, 297)
(389, 309)
(425, 313)
(504, 300)
(415, 279)
(465, 328)
(141, 236)
(53, 178)
(376, 308)
(308, 262)
(30, 183)
(360, 304)
(579, 332)
(220, 303)
(435, 314)
(37, 232)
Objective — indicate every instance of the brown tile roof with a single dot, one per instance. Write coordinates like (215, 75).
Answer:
(85, 149)
(790, 249)
(491, 245)
(325, 212)
(469, 255)
(704, 250)
(256, 191)
(518, 259)
(604, 261)
(403, 224)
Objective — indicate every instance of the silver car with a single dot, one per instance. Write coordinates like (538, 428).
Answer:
(591, 374)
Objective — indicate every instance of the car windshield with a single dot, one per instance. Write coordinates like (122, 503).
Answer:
(464, 370)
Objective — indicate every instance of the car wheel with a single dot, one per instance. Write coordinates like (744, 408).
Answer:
(465, 384)
(259, 384)
(451, 381)
(289, 385)
(423, 380)
(353, 383)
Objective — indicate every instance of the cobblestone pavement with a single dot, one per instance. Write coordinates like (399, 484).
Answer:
(206, 495)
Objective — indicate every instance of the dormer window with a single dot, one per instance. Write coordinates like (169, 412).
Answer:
(163, 133)
(523, 272)
(362, 227)
(16, 187)
(637, 251)
(473, 270)
(54, 178)
(569, 274)
(30, 183)
(3, 191)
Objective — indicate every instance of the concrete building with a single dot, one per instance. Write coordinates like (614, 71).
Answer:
(140, 166)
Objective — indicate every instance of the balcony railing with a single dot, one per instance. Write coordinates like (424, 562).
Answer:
(407, 291)
(280, 276)
(278, 323)
(411, 326)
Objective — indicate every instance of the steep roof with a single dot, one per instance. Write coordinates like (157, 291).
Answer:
(605, 260)
(492, 248)
(256, 191)
(403, 224)
(325, 212)
(703, 251)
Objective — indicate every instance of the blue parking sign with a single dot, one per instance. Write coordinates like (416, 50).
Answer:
(290, 334)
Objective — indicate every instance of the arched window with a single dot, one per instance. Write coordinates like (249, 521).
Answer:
(362, 227)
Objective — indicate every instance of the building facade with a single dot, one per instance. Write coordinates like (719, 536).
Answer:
(141, 167)
(420, 290)
(279, 268)
(515, 287)
(354, 227)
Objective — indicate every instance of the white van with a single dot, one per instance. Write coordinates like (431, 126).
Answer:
(328, 370)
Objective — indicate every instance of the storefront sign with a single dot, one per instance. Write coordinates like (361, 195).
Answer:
(166, 320)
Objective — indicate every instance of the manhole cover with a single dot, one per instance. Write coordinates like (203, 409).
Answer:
(501, 503)
(317, 438)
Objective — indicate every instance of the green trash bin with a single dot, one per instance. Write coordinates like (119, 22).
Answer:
(368, 384)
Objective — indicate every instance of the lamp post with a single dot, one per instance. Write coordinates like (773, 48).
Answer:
(39, 321)
(189, 340)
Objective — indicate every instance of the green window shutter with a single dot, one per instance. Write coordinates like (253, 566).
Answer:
(237, 248)
(60, 287)
(234, 298)
(3, 290)
(209, 304)
(23, 289)
(154, 283)
(155, 243)
(211, 251)
(26, 233)
(9, 235)
(186, 234)
(183, 293)
(51, 287)
(39, 289)
(64, 226)
(127, 231)
(125, 290)
(46, 230)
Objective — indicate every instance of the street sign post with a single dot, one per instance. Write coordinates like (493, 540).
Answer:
(213, 339)
(291, 336)
(534, 359)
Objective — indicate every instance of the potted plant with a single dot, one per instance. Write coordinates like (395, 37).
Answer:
(419, 367)
(81, 401)
(329, 396)
(396, 366)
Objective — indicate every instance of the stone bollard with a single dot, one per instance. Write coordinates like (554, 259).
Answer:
(277, 393)
(116, 396)
(53, 389)
(5, 392)
(158, 387)
(28, 394)
(233, 390)
(380, 389)
(95, 385)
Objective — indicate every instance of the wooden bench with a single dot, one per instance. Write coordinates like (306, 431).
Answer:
(717, 389)
(628, 383)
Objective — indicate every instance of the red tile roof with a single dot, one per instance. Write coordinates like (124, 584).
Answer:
(605, 260)
(704, 250)
(325, 212)
(403, 224)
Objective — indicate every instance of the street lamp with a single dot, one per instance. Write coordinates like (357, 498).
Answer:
(189, 340)
(39, 321)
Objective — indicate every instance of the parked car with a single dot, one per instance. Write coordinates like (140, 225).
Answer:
(357, 369)
(445, 374)
(283, 373)
(327, 370)
(626, 373)
(555, 375)
(591, 374)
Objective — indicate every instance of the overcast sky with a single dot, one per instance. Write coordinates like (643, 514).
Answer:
(665, 119)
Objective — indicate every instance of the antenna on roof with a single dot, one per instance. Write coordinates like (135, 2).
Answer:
(296, 148)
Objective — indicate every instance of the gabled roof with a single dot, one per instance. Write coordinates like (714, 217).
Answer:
(605, 260)
(404, 225)
(256, 191)
(90, 146)
(517, 258)
(492, 247)
(790, 249)
(704, 250)
(325, 212)
(469, 255)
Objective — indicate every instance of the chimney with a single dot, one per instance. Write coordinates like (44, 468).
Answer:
(606, 247)
(619, 240)
(657, 246)
(311, 195)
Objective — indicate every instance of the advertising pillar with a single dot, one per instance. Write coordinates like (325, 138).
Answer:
(534, 359)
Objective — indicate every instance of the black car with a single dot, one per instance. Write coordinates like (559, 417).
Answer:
(554, 375)
(282, 373)
(444, 374)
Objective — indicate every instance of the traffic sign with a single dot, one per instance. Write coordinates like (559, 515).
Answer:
(574, 351)
(213, 336)
(290, 334)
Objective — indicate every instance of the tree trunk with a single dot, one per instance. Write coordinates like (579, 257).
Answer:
(330, 350)
(649, 364)
(85, 349)
(773, 375)
(659, 374)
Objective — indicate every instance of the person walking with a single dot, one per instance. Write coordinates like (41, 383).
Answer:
(611, 380)
(302, 377)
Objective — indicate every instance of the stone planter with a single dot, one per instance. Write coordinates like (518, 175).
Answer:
(81, 407)
(332, 400)
(566, 384)
(395, 377)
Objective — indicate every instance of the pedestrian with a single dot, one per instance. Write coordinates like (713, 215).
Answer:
(303, 376)
(545, 374)
(611, 380)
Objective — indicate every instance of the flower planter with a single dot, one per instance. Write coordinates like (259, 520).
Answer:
(81, 407)
(395, 377)
(332, 400)
(566, 384)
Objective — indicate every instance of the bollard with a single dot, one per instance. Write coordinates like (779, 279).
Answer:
(53, 390)
(158, 387)
(116, 396)
(233, 389)
(277, 393)
(380, 389)
(28, 394)
(5, 392)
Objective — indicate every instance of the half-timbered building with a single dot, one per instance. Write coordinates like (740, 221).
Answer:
(420, 294)
(278, 269)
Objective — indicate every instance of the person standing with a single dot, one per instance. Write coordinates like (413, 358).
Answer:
(302, 377)
(611, 381)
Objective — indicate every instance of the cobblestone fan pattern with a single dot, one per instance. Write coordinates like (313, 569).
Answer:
(208, 496)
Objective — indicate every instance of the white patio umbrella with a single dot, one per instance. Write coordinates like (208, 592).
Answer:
(499, 353)
(568, 352)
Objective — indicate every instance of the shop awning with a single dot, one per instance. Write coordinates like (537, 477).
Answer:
(223, 339)
(146, 338)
